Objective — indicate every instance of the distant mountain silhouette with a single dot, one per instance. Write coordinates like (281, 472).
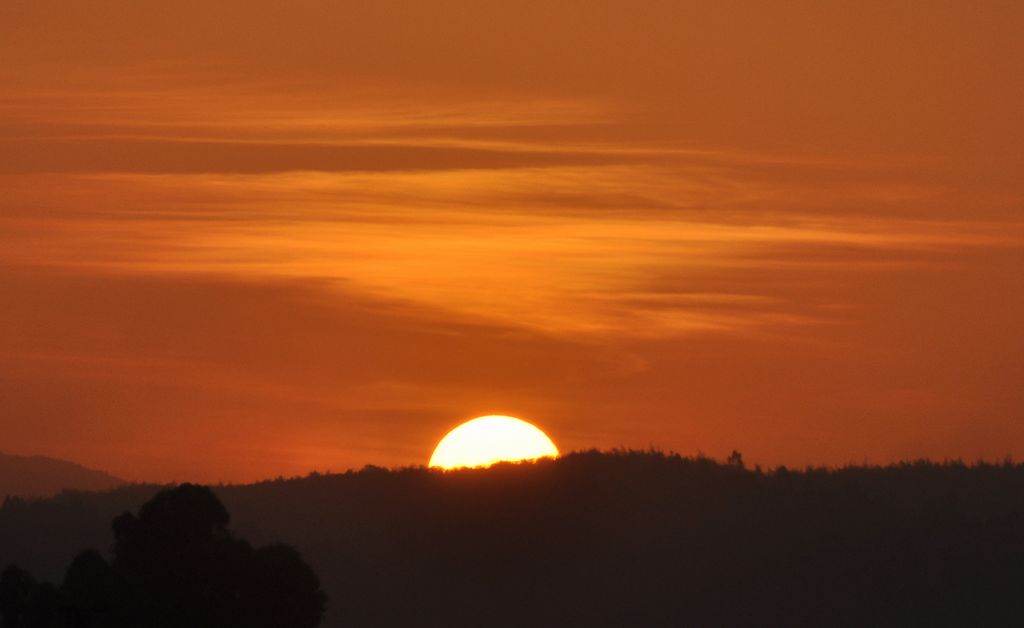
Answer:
(614, 539)
(39, 476)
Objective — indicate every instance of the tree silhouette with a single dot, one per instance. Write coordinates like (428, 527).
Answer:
(92, 593)
(25, 603)
(592, 539)
(175, 565)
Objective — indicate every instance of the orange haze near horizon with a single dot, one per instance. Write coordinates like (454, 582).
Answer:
(244, 239)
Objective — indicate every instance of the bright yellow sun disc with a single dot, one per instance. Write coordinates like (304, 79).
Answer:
(488, 439)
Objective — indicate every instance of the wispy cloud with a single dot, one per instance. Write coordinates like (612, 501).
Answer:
(552, 248)
(662, 225)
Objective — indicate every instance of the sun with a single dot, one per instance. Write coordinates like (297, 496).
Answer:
(485, 440)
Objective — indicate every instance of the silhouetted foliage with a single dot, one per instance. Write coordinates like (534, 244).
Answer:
(25, 603)
(590, 539)
(175, 565)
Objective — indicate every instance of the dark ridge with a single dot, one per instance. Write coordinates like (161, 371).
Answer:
(615, 539)
(39, 476)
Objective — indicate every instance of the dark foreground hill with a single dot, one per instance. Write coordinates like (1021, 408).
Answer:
(624, 539)
(39, 476)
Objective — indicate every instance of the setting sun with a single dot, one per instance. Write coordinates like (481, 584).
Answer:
(488, 439)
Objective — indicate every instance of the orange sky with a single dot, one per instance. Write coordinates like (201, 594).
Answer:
(242, 239)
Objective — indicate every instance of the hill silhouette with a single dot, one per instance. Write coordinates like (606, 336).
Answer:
(617, 539)
(39, 476)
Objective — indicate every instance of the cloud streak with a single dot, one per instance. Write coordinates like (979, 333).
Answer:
(667, 226)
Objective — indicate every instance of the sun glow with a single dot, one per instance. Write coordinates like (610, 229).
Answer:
(488, 439)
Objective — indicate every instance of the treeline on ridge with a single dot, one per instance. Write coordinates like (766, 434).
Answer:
(615, 539)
